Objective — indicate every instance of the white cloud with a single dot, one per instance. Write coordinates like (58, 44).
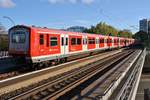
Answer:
(87, 1)
(71, 1)
(55, 1)
(7, 3)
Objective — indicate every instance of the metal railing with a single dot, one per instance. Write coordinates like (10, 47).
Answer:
(129, 89)
(4, 54)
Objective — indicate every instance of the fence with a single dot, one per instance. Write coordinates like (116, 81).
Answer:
(3, 54)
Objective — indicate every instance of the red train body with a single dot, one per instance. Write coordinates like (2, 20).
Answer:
(43, 44)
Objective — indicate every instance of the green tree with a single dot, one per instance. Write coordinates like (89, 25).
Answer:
(105, 29)
(3, 42)
(126, 33)
(3, 38)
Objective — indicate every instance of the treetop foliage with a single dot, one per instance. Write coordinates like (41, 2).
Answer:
(105, 29)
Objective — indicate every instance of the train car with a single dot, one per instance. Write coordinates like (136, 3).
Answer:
(36, 44)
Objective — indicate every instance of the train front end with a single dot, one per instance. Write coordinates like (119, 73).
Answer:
(19, 41)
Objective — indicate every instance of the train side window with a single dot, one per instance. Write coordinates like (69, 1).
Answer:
(107, 40)
(41, 39)
(101, 40)
(111, 41)
(78, 41)
(66, 41)
(62, 41)
(73, 41)
(93, 41)
(89, 41)
(53, 41)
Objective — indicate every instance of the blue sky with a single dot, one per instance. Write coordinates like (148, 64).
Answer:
(121, 14)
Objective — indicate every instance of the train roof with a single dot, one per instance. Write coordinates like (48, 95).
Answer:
(47, 30)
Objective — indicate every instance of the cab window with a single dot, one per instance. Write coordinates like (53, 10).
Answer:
(18, 37)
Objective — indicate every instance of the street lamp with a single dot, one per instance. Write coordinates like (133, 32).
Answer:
(9, 19)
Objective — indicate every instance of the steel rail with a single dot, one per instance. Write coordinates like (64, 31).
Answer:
(6, 75)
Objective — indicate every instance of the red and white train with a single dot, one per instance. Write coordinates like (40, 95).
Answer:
(42, 44)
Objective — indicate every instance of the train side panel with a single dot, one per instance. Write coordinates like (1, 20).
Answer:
(43, 44)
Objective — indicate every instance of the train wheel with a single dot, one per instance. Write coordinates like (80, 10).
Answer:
(91, 53)
(46, 64)
(56, 62)
(61, 61)
(65, 59)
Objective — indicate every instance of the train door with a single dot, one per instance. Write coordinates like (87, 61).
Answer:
(97, 42)
(66, 47)
(64, 44)
(84, 43)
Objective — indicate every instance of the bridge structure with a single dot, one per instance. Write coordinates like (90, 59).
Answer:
(127, 90)
(126, 85)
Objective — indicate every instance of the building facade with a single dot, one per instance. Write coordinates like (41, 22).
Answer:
(145, 25)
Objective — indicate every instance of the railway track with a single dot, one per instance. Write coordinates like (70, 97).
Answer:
(105, 86)
(12, 72)
(56, 87)
(16, 82)
(8, 75)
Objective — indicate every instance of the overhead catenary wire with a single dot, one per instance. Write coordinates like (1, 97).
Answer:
(102, 12)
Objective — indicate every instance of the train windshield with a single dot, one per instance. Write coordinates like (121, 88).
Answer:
(18, 37)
